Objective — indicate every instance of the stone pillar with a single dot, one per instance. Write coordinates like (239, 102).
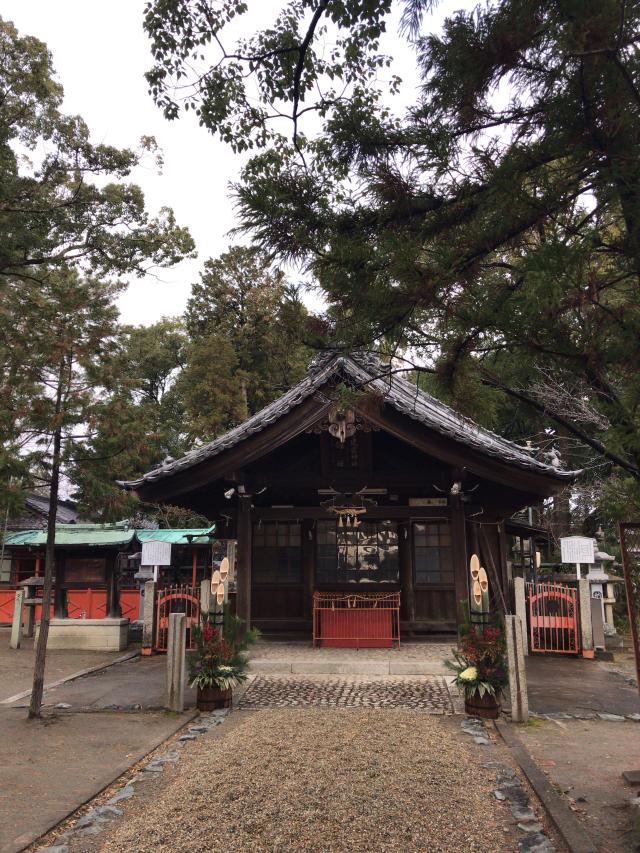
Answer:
(16, 625)
(176, 648)
(520, 595)
(205, 596)
(149, 618)
(29, 619)
(517, 672)
(586, 628)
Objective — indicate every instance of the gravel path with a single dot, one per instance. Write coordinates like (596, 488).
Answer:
(362, 781)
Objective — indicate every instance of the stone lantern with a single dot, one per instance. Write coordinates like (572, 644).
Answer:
(602, 586)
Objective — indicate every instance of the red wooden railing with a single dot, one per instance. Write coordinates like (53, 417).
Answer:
(356, 620)
(81, 604)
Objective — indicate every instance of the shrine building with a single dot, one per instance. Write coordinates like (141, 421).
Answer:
(356, 482)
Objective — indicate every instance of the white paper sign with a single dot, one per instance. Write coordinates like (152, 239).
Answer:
(577, 549)
(156, 553)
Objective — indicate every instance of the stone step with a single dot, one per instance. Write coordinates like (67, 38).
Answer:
(346, 667)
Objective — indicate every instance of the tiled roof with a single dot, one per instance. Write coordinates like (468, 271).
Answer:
(37, 511)
(364, 371)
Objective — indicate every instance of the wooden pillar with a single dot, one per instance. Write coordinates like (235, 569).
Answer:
(491, 560)
(507, 576)
(460, 557)
(243, 580)
(308, 566)
(38, 564)
(113, 588)
(59, 593)
(405, 557)
(194, 566)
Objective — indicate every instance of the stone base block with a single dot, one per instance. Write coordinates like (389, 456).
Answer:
(100, 635)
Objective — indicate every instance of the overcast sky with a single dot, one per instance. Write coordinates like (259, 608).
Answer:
(100, 54)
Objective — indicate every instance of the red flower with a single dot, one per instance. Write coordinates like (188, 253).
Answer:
(209, 633)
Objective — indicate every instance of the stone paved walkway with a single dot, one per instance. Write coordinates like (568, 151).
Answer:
(429, 693)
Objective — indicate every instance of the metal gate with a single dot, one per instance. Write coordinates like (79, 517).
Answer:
(553, 618)
(177, 599)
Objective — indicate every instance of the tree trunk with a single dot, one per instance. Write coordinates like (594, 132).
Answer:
(245, 398)
(41, 648)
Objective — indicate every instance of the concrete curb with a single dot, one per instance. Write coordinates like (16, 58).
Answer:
(88, 671)
(189, 716)
(572, 832)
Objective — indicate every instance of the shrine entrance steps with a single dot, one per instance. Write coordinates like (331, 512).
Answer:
(298, 657)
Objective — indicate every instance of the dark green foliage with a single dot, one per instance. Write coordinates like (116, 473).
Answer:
(69, 228)
(495, 227)
(52, 212)
(138, 423)
(247, 328)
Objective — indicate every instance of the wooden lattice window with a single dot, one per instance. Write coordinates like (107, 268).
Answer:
(277, 553)
(432, 557)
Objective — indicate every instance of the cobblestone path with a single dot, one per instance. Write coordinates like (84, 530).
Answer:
(425, 693)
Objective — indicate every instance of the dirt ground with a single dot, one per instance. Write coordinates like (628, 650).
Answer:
(338, 780)
(16, 665)
(50, 767)
(584, 761)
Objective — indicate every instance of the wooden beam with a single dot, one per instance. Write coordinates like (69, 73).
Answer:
(248, 450)
(459, 455)
(243, 560)
(376, 512)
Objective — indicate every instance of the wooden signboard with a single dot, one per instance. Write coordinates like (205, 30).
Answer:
(156, 553)
(577, 549)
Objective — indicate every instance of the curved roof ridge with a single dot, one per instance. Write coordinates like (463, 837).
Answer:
(365, 369)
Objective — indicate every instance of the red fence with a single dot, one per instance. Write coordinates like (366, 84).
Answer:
(553, 618)
(81, 604)
(7, 599)
(177, 599)
(356, 620)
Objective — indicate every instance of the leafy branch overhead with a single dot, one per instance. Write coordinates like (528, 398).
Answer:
(493, 225)
(62, 198)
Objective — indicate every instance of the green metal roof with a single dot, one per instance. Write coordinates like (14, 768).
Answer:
(177, 536)
(76, 534)
(93, 535)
